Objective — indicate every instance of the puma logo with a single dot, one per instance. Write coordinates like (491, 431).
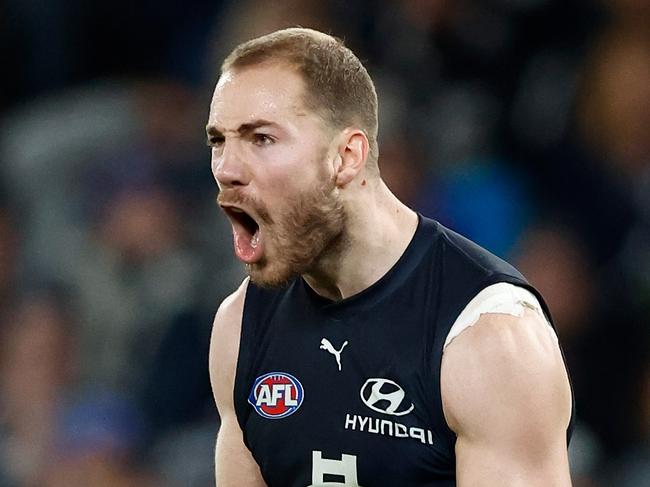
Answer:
(325, 344)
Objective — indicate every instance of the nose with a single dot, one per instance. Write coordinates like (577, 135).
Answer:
(228, 168)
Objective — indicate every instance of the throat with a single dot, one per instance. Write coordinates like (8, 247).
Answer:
(327, 290)
(358, 262)
(327, 273)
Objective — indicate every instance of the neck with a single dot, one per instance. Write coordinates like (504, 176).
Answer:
(379, 229)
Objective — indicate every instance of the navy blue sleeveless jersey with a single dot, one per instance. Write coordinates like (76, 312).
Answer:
(348, 392)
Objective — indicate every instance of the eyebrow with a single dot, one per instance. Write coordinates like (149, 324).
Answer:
(243, 129)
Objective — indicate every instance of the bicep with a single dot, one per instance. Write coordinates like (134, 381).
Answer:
(506, 395)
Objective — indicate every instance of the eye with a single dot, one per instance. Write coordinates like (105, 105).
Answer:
(215, 140)
(262, 139)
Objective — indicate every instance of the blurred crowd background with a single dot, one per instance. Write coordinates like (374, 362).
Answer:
(523, 124)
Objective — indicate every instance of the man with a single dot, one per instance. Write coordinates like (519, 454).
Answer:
(327, 363)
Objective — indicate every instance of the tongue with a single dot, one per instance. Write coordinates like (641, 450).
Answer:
(248, 248)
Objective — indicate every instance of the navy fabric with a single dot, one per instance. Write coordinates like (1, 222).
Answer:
(378, 421)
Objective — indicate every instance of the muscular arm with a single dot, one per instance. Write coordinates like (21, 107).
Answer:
(507, 397)
(234, 464)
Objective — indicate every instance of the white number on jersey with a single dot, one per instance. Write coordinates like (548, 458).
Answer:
(346, 467)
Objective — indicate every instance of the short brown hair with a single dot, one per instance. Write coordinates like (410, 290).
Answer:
(338, 86)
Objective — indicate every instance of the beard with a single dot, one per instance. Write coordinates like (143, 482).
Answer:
(303, 237)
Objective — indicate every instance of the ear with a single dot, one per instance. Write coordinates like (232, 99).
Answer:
(351, 157)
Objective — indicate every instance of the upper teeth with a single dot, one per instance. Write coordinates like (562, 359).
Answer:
(237, 210)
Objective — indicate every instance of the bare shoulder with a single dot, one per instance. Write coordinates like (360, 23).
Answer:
(504, 379)
(224, 345)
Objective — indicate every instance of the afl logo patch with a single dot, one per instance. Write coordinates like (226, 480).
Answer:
(276, 395)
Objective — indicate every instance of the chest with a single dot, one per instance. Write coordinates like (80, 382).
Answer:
(351, 401)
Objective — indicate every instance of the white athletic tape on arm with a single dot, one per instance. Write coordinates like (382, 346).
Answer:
(502, 298)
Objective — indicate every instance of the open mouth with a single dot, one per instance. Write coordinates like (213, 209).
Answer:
(246, 234)
(239, 216)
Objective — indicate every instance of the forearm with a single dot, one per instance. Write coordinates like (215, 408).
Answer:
(234, 464)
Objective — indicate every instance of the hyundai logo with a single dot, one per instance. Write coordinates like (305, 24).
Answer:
(385, 396)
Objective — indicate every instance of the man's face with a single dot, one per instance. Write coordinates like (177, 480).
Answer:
(271, 159)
